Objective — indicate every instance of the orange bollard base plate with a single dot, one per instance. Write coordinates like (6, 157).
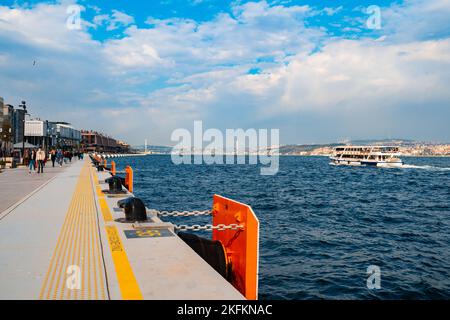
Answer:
(242, 246)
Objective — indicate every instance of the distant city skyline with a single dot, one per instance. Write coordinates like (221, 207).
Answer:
(318, 71)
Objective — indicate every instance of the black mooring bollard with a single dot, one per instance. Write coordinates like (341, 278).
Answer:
(134, 209)
(115, 184)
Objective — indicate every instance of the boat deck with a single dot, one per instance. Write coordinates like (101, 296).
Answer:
(67, 240)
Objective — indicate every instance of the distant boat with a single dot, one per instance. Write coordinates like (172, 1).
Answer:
(380, 156)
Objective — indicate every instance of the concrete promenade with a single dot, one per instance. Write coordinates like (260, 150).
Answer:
(67, 240)
(15, 184)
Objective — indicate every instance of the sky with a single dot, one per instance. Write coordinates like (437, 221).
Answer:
(319, 71)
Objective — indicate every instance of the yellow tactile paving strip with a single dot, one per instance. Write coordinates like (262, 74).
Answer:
(76, 269)
(129, 288)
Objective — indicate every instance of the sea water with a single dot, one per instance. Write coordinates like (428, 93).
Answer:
(323, 226)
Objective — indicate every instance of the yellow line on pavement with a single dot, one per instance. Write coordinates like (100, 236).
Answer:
(105, 210)
(128, 285)
(127, 281)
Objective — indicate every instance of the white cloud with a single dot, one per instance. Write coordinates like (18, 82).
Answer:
(197, 2)
(100, 19)
(417, 20)
(33, 26)
(352, 75)
(114, 20)
(119, 19)
(332, 11)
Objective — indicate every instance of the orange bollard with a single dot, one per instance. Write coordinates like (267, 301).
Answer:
(105, 163)
(129, 178)
(113, 168)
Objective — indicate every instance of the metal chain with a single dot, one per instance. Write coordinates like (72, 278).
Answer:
(181, 213)
(195, 227)
(219, 227)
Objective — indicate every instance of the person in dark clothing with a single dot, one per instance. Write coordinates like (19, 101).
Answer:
(32, 161)
(59, 157)
(53, 157)
(26, 157)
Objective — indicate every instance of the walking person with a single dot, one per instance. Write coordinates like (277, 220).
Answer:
(32, 161)
(53, 157)
(26, 157)
(40, 157)
(59, 157)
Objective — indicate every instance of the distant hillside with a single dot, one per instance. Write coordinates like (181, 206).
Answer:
(407, 147)
(390, 142)
(299, 148)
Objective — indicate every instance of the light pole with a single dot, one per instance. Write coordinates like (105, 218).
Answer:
(47, 131)
(24, 106)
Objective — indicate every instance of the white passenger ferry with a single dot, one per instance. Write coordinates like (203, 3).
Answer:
(381, 156)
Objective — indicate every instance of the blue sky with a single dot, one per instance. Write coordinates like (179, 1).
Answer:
(313, 69)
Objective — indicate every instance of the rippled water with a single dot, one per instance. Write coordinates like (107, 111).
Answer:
(323, 225)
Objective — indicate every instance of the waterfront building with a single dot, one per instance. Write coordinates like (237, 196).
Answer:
(66, 134)
(123, 146)
(52, 134)
(93, 141)
(6, 130)
(18, 121)
(35, 132)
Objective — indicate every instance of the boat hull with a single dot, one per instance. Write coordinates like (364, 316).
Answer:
(385, 164)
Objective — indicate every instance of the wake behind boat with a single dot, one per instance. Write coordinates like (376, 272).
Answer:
(380, 156)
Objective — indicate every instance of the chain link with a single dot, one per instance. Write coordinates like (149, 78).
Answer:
(181, 213)
(195, 227)
(207, 227)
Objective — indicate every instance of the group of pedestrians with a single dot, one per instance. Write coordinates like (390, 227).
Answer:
(37, 161)
(38, 158)
(57, 155)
